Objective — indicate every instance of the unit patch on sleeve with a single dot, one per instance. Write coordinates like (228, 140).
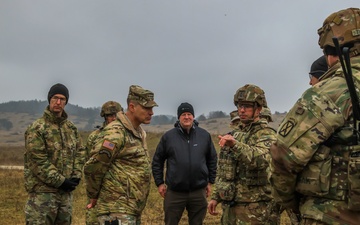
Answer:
(286, 128)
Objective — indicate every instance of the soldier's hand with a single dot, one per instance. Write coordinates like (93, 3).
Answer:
(226, 140)
(92, 203)
(212, 207)
(68, 185)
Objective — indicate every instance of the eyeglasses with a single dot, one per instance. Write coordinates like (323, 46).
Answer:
(245, 106)
(310, 76)
(56, 98)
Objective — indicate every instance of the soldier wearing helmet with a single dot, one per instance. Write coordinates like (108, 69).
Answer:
(315, 172)
(234, 119)
(108, 111)
(241, 183)
(266, 114)
(110, 108)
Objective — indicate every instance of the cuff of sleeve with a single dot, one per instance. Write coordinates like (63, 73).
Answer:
(160, 183)
(60, 181)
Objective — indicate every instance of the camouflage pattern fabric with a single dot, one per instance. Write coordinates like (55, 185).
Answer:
(242, 175)
(49, 208)
(141, 96)
(110, 107)
(121, 219)
(302, 163)
(91, 214)
(119, 171)
(53, 153)
(250, 214)
(91, 141)
(250, 93)
(311, 222)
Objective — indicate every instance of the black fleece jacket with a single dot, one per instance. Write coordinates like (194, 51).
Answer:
(191, 159)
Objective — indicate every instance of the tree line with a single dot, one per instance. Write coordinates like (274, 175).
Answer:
(36, 107)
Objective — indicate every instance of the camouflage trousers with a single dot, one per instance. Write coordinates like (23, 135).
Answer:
(91, 217)
(307, 221)
(251, 214)
(49, 208)
(119, 219)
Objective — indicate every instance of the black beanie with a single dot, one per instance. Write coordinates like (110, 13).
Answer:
(185, 107)
(58, 89)
(319, 67)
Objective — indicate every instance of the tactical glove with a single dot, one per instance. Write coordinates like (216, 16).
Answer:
(75, 180)
(68, 185)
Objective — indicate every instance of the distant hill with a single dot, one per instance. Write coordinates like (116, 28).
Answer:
(16, 116)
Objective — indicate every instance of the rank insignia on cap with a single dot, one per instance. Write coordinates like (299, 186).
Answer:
(108, 145)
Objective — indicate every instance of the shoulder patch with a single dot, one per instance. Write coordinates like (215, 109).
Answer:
(286, 128)
(108, 145)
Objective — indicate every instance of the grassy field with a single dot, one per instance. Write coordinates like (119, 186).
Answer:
(13, 195)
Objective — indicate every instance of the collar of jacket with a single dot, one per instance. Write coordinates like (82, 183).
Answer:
(139, 133)
(331, 71)
(177, 125)
(52, 118)
(247, 127)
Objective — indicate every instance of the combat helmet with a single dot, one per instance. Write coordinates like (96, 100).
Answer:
(110, 107)
(344, 24)
(250, 93)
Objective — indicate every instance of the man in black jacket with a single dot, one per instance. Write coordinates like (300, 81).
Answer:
(191, 162)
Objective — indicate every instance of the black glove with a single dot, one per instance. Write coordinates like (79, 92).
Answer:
(75, 180)
(68, 185)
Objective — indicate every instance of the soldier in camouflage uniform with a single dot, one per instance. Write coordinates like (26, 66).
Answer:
(53, 161)
(266, 113)
(314, 169)
(118, 173)
(241, 182)
(108, 111)
(234, 119)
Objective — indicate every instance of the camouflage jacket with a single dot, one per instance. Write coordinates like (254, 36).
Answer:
(119, 170)
(91, 140)
(322, 110)
(250, 155)
(53, 153)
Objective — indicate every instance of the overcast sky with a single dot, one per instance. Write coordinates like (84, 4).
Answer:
(199, 51)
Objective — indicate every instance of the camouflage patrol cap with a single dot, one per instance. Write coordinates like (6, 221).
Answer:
(110, 107)
(344, 24)
(250, 93)
(141, 96)
(266, 113)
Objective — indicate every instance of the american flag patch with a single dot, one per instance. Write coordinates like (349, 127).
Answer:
(109, 145)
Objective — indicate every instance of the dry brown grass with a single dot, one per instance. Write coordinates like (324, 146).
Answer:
(13, 198)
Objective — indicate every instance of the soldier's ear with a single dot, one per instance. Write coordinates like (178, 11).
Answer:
(131, 106)
(258, 110)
